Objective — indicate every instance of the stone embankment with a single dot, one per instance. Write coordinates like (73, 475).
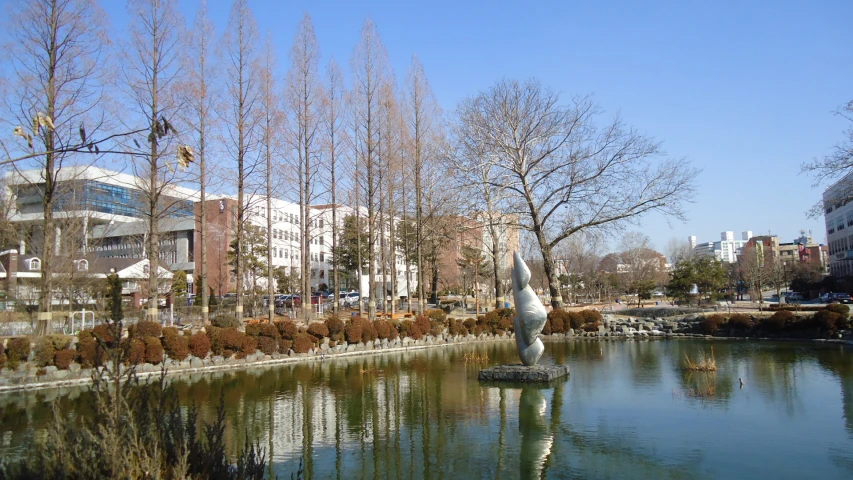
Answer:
(615, 327)
(28, 376)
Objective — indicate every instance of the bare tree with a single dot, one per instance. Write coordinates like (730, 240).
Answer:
(241, 118)
(151, 72)
(834, 166)
(481, 200)
(56, 86)
(335, 135)
(565, 173)
(272, 123)
(199, 100)
(677, 250)
(641, 268)
(304, 100)
(423, 114)
(369, 65)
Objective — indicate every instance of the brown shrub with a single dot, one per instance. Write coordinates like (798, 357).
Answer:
(437, 315)
(284, 346)
(176, 345)
(506, 323)
(841, 309)
(590, 316)
(739, 321)
(267, 345)
(319, 330)
(287, 329)
(334, 324)
(153, 350)
(560, 321)
(199, 345)
(710, 324)
(394, 333)
(576, 320)
(456, 327)
(827, 321)
(63, 358)
(17, 351)
(229, 340)
(43, 352)
(87, 349)
(145, 329)
(353, 332)
(368, 331)
(104, 332)
(2, 356)
(248, 346)
(591, 327)
(262, 330)
(469, 323)
(225, 320)
(410, 329)
(383, 329)
(60, 342)
(302, 343)
(546, 329)
(423, 323)
(776, 322)
(134, 351)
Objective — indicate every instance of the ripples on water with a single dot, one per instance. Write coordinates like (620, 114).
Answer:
(628, 410)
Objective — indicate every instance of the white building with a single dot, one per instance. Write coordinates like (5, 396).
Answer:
(838, 215)
(724, 250)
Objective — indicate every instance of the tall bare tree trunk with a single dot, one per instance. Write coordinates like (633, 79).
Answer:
(199, 98)
(369, 68)
(54, 71)
(303, 92)
(241, 63)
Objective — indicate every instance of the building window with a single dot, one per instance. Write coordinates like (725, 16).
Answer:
(82, 266)
(35, 264)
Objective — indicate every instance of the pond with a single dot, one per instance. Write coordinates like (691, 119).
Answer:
(628, 410)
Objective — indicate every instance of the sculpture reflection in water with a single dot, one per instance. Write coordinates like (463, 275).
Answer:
(536, 436)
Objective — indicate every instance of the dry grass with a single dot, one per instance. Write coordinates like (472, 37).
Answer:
(703, 391)
(475, 358)
(702, 363)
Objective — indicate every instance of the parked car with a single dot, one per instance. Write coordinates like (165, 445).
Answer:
(794, 297)
(350, 299)
(836, 298)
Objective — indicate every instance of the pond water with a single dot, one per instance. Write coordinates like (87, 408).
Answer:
(628, 410)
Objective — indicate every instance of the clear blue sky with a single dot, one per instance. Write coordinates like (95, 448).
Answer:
(744, 90)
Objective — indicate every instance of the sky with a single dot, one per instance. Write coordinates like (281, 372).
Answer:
(744, 91)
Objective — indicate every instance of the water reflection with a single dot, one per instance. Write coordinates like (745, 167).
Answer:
(536, 436)
(423, 414)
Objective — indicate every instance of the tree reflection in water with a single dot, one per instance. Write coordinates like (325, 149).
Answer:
(423, 414)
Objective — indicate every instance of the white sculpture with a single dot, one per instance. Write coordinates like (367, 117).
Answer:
(530, 314)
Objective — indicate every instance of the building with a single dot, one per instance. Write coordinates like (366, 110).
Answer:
(804, 249)
(85, 197)
(725, 250)
(472, 234)
(838, 215)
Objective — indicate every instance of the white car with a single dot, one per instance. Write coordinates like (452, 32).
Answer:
(350, 299)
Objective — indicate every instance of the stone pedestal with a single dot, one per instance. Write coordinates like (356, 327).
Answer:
(522, 374)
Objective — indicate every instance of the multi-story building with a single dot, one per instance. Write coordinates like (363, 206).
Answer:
(724, 250)
(838, 215)
(804, 249)
(85, 197)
